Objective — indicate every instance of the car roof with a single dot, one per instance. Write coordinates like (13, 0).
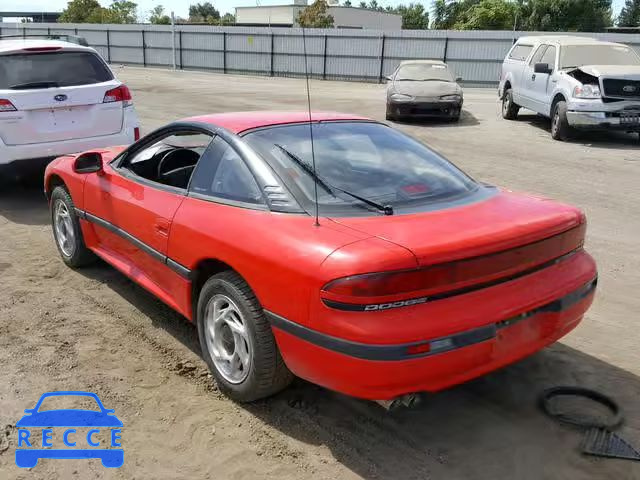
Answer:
(8, 45)
(238, 122)
(564, 40)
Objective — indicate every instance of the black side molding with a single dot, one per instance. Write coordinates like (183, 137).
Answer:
(437, 345)
(152, 252)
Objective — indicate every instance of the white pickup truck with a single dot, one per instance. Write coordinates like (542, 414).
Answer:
(580, 83)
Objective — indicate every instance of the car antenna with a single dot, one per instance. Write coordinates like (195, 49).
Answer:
(313, 154)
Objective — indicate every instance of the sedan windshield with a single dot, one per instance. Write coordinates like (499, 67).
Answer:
(424, 72)
(357, 163)
(579, 55)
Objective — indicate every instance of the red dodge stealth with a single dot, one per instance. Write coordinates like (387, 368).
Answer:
(414, 278)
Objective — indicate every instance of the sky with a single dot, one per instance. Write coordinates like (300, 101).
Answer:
(181, 7)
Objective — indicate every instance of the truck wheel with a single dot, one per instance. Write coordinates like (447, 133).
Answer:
(236, 340)
(509, 109)
(560, 128)
(67, 231)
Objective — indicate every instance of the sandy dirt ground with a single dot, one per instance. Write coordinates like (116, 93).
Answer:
(94, 330)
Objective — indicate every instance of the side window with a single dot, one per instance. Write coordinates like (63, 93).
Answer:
(222, 173)
(520, 52)
(538, 55)
(549, 57)
(170, 160)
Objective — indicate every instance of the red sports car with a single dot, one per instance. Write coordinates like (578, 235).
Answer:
(415, 277)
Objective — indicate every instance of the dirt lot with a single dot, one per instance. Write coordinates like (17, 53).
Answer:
(94, 330)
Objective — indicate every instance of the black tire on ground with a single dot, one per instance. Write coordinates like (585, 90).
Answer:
(78, 255)
(267, 373)
(509, 108)
(390, 116)
(560, 128)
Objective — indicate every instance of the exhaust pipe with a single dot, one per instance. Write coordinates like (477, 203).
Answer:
(409, 400)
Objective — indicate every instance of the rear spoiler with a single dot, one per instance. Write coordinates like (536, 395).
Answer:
(54, 36)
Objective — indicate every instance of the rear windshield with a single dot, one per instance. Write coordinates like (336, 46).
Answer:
(579, 55)
(51, 69)
(370, 160)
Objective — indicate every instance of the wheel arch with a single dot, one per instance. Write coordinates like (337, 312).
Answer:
(54, 180)
(203, 271)
(558, 97)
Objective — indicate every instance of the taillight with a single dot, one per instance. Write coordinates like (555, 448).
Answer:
(118, 94)
(416, 284)
(6, 106)
(136, 134)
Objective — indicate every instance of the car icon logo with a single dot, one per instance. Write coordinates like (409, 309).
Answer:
(629, 88)
(79, 429)
(60, 98)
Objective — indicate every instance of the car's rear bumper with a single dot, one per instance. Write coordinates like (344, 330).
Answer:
(382, 372)
(617, 120)
(424, 109)
(22, 155)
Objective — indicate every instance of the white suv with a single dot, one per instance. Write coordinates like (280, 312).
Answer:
(58, 97)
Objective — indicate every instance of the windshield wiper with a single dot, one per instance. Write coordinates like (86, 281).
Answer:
(25, 86)
(386, 209)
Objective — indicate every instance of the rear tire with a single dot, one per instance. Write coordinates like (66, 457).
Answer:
(66, 230)
(560, 128)
(239, 347)
(509, 108)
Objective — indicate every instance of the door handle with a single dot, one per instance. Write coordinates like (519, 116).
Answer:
(533, 77)
(162, 228)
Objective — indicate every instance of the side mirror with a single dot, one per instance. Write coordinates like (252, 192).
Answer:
(542, 68)
(90, 162)
(458, 79)
(386, 78)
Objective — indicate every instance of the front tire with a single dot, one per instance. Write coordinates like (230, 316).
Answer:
(390, 116)
(560, 128)
(66, 230)
(509, 108)
(237, 342)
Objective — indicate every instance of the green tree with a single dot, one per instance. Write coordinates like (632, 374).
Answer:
(630, 14)
(228, 19)
(565, 15)
(79, 11)
(347, 3)
(123, 11)
(446, 13)
(488, 15)
(373, 5)
(363, 5)
(158, 17)
(414, 16)
(315, 15)
(204, 13)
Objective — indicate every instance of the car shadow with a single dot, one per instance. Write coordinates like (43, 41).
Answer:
(596, 138)
(485, 429)
(24, 203)
(467, 119)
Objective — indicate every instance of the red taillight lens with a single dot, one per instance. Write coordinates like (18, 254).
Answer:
(136, 133)
(395, 285)
(119, 94)
(6, 106)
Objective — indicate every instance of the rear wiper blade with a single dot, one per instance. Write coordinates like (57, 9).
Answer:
(306, 167)
(24, 86)
(386, 209)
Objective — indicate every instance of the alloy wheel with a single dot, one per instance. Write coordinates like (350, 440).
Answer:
(228, 339)
(63, 225)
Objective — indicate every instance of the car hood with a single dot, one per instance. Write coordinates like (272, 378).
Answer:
(431, 88)
(503, 221)
(69, 418)
(628, 72)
